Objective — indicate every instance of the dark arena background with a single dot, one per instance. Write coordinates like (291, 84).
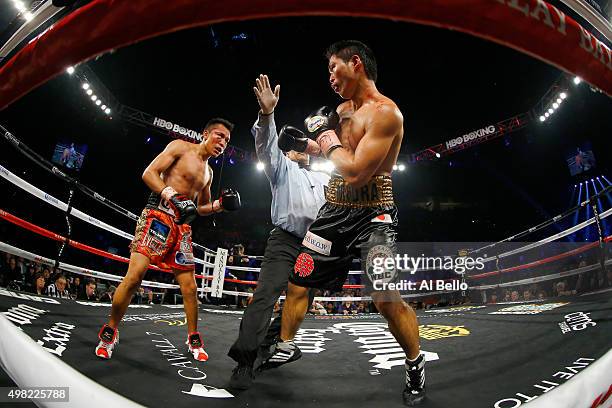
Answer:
(505, 159)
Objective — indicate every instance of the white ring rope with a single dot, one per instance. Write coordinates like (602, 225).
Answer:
(75, 269)
(97, 274)
(543, 278)
(561, 234)
(92, 273)
(596, 20)
(6, 174)
(102, 275)
(36, 192)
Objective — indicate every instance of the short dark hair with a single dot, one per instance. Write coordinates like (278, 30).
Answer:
(60, 276)
(345, 49)
(216, 121)
(90, 282)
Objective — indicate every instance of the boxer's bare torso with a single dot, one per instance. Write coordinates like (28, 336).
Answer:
(184, 166)
(354, 123)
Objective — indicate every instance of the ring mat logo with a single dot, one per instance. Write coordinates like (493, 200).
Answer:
(313, 340)
(454, 309)
(173, 322)
(23, 314)
(529, 309)
(379, 344)
(437, 331)
(154, 317)
(576, 321)
(56, 338)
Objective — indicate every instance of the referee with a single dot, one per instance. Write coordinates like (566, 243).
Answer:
(297, 195)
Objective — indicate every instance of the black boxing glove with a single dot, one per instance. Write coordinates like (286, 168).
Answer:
(291, 138)
(321, 127)
(229, 200)
(184, 209)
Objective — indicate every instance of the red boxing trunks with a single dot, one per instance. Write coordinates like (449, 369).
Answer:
(160, 239)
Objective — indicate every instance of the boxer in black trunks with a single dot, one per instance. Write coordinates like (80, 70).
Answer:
(362, 137)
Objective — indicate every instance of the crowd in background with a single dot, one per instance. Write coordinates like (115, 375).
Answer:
(40, 279)
(590, 281)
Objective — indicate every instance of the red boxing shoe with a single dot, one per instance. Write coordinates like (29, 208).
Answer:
(196, 346)
(109, 338)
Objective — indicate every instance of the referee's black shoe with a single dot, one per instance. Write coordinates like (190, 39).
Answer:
(283, 352)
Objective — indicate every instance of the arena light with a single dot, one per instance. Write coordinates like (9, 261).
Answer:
(107, 111)
(89, 92)
(555, 105)
(94, 98)
(103, 107)
(70, 70)
(434, 153)
(401, 167)
(260, 166)
(98, 102)
(551, 111)
(20, 6)
(577, 80)
(28, 16)
(85, 86)
(563, 95)
(559, 100)
(546, 115)
(395, 167)
(542, 118)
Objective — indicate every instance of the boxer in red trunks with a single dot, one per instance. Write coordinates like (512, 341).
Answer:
(179, 177)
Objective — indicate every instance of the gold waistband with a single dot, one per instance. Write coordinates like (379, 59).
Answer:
(378, 192)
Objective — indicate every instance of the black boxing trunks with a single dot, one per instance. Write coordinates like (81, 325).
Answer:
(160, 239)
(353, 223)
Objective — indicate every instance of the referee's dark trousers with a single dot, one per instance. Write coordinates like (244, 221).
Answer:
(281, 252)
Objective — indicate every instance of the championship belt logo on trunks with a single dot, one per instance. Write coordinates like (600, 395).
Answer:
(377, 192)
(185, 254)
(155, 201)
(375, 266)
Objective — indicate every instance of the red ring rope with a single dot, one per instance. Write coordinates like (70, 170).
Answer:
(530, 26)
(56, 237)
(583, 248)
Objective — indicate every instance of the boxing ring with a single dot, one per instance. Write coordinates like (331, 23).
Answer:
(475, 358)
(482, 353)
